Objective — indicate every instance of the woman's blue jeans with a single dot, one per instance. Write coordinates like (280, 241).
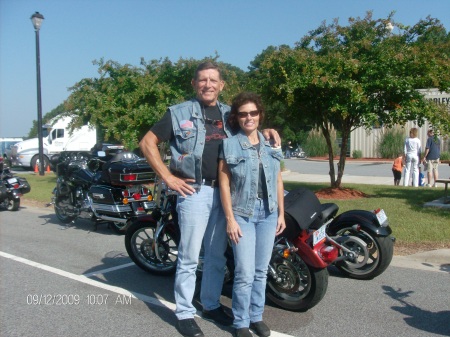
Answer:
(252, 256)
(201, 220)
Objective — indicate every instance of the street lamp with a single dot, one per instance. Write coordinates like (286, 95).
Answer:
(37, 19)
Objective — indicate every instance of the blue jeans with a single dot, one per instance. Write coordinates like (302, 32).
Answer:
(201, 220)
(252, 256)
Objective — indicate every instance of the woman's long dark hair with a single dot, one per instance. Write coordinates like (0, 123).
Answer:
(240, 100)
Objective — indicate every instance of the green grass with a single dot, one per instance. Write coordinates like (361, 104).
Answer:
(410, 222)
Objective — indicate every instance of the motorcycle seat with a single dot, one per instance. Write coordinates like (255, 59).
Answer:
(328, 211)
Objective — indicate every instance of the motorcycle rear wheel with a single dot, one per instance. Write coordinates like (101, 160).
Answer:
(139, 243)
(380, 251)
(301, 286)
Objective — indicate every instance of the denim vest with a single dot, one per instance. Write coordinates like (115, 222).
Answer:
(189, 140)
(242, 160)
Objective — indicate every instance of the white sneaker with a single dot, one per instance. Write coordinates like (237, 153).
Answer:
(434, 185)
(427, 185)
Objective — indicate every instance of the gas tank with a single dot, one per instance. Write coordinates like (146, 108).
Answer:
(79, 173)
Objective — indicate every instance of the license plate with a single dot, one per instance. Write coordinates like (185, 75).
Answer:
(381, 216)
(319, 235)
(12, 180)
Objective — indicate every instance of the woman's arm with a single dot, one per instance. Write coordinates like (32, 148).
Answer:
(233, 230)
(281, 225)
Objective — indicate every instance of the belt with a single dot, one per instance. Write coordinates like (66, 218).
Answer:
(212, 183)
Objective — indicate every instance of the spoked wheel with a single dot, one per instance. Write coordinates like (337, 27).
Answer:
(140, 245)
(11, 204)
(297, 286)
(62, 208)
(371, 255)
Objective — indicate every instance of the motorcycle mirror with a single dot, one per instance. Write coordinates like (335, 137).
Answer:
(101, 153)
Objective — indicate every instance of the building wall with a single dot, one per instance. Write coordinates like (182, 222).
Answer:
(367, 140)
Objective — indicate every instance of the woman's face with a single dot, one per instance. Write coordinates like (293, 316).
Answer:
(248, 117)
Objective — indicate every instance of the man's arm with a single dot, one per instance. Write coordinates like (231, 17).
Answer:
(272, 134)
(149, 147)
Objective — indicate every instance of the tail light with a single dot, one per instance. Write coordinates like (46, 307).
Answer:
(16, 185)
(125, 193)
(129, 177)
(144, 190)
(328, 253)
(137, 196)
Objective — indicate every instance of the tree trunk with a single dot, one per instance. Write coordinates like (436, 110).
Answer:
(326, 133)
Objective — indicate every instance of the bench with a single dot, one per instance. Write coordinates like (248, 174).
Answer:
(446, 182)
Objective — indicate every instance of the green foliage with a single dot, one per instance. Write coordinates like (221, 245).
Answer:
(351, 76)
(357, 154)
(391, 142)
(125, 101)
(445, 155)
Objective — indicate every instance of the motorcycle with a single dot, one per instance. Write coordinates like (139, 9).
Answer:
(357, 242)
(104, 190)
(299, 153)
(11, 189)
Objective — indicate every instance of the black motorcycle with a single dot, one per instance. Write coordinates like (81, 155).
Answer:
(103, 189)
(11, 189)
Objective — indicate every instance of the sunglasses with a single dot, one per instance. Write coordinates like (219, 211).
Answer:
(253, 113)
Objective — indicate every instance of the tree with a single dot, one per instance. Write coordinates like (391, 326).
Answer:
(125, 101)
(356, 76)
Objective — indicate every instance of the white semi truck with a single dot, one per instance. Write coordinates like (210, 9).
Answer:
(59, 138)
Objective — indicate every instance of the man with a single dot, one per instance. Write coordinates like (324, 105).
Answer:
(431, 157)
(195, 130)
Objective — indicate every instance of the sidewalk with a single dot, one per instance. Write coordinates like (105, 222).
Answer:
(437, 260)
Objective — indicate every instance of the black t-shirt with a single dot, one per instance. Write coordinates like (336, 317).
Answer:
(214, 135)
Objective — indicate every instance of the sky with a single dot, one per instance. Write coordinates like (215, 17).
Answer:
(77, 32)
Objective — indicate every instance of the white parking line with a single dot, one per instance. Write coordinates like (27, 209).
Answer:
(84, 279)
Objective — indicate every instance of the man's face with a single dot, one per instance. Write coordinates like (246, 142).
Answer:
(208, 86)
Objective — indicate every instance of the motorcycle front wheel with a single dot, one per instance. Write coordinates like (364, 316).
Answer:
(366, 264)
(140, 245)
(297, 286)
(61, 206)
(11, 204)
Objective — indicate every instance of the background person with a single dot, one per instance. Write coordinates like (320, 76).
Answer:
(195, 130)
(397, 169)
(431, 157)
(412, 150)
(252, 197)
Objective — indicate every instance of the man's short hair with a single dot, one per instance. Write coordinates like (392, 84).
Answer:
(205, 66)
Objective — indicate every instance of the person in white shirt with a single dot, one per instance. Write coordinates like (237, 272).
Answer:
(412, 152)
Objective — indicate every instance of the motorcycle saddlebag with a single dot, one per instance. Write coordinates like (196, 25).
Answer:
(129, 172)
(24, 185)
(302, 210)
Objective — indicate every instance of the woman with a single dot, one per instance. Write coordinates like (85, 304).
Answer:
(412, 151)
(252, 195)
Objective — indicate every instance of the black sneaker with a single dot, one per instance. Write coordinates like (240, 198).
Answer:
(260, 328)
(242, 332)
(189, 328)
(218, 315)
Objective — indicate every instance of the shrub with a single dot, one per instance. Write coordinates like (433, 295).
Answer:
(357, 154)
(391, 142)
(316, 145)
(445, 155)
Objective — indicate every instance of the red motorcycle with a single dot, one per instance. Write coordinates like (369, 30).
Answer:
(357, 242)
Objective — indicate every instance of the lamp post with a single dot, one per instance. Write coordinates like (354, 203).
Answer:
(37, 19)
